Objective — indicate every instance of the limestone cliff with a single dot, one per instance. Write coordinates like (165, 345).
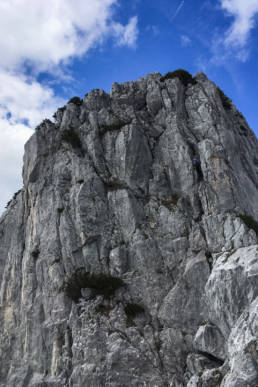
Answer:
(130, 256)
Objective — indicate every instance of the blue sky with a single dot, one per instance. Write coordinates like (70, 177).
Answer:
(61, 48)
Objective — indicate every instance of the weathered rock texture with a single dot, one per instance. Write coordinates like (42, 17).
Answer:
(125, 263)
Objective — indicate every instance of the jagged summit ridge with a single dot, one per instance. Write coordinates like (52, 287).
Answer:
(130, 256)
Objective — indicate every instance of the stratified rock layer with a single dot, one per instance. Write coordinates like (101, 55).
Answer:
(130, 257)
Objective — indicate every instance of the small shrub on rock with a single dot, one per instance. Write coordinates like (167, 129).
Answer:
(171, 202)
(226, 102)
(183, 75)
(100, 284)
(13, 198)
(59, 110)
(46, 121)
(76, 101)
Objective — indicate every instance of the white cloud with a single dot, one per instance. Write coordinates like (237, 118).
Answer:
(13, 138)
(244, 13)
(127, 35)
(46, 33)
(185, 40)
(22, 98)
(44, 36)
(234, 43)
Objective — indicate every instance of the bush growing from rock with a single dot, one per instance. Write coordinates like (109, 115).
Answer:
(226, 102)
(76, 101)
(183, 75)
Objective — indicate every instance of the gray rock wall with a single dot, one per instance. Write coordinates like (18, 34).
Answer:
(124, 263)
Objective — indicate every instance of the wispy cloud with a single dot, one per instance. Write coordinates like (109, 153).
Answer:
(202, 64)
(185, 40)
(178, 9)
(244, 14)
(154, 29)
(235, 41)
(127, 35)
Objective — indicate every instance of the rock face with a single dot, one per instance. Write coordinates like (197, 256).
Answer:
(130, 256)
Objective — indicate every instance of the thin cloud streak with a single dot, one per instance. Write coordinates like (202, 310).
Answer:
(185, 40)
(178, 9)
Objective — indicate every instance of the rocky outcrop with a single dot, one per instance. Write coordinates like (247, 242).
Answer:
(130, 257)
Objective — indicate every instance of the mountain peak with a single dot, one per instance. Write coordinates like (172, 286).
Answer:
(129, 258)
